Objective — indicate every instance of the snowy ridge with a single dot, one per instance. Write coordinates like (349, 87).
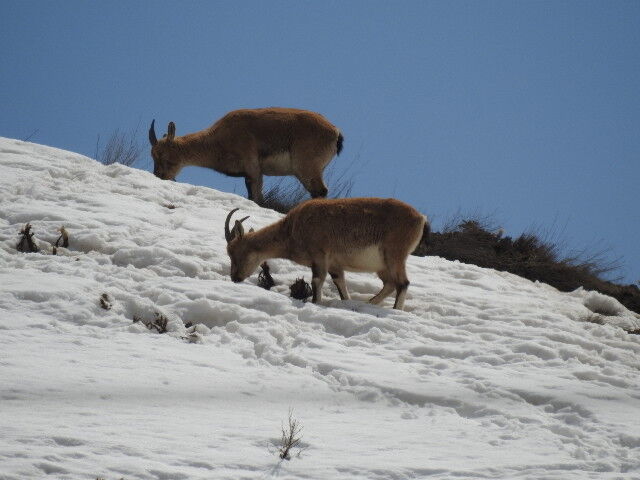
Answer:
(486, 375)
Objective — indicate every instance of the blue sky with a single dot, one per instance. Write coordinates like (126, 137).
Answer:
(526, 111)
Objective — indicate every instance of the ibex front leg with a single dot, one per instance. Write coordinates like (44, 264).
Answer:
(318, 273)
(254, 187)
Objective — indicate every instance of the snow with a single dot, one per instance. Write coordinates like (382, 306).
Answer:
(486, 375)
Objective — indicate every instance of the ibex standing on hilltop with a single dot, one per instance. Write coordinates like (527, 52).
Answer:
(334, 235)
(253, 143)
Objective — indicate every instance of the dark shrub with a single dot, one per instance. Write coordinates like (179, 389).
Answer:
(529, 256)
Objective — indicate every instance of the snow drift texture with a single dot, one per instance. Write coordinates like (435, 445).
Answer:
(486, 375)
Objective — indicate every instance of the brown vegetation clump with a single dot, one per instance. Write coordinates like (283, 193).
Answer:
(265, 280)
(528, 256)
(105, 302)
(300, 290)
(26, 243)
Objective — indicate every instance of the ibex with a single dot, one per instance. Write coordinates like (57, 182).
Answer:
(253, 143)
(334, 235)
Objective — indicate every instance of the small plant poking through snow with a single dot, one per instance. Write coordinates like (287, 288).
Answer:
(159, 323)
(265, 280)
(62, 241)
(291, 437)
(64, 236)
(300, 290)
(192, 334)
(26, 243)
(105, 301)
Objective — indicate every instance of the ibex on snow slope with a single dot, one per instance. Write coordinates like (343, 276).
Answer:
(334, 235)
(251, 143)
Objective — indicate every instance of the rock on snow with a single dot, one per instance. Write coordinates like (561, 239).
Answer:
(486, 375)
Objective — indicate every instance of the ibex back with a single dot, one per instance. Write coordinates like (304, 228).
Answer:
(334, 235)
(253, 143)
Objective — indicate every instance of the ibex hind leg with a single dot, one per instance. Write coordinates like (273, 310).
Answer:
(314, 185)
(309, 171)
(341, 285)
(396, 258)
(401, 284)
(387, 287)
(401, 294)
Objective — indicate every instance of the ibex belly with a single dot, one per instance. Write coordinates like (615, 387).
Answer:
(368, 259)
(277, 164)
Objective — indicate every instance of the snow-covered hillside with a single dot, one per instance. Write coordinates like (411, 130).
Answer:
(486, 375)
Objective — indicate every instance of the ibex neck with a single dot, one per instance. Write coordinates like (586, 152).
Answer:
(197, 150)
(269, 242)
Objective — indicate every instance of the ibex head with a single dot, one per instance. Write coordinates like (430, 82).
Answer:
(166, 163)
(244, 259)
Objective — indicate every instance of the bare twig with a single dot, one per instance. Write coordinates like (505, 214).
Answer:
(122, 147)
(291, 437)
(31, 135)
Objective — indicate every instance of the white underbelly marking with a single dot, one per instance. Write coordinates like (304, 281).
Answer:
(277, 164)
(368, 259)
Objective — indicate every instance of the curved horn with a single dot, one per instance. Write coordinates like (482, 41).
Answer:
(227, 233)
(152, 133)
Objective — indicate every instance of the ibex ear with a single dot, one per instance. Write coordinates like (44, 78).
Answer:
(239, 228)
(251, 230)
(171, 131)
